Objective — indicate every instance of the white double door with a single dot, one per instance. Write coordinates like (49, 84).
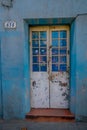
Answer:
(49, 47)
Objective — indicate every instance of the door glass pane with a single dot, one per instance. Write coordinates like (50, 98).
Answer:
(63, 59)
(54, 43)
(35, 35)
(54, 51)
(63, 34)
(43, 59)
(43, 35)
(35, 67)
(62, 51)
(43, 51)
(62, 42)
(35, 43)
(35, 51)
(43, 43)
(54, 67)
(54, 59)
(43, 67)
(63, 67)
(35, 59)
(55, 34)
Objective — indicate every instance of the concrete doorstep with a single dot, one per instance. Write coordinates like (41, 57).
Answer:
(26, 125)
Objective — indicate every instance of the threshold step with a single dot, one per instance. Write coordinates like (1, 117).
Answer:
(50, 115)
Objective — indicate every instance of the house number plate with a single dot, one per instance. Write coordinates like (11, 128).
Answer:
(10, 24)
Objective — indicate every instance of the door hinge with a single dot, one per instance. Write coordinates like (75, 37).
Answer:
(68, 52)
(30, 43)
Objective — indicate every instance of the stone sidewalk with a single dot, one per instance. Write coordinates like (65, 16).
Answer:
(26, 125)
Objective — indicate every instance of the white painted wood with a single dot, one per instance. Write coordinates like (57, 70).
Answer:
(59, 82)
(39, 80)
(50, 89)
(59, 90)
(39, 90)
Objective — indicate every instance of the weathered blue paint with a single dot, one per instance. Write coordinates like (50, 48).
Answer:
(15, 54)
(81, 67)
(50, 21)
(27, 67)
(73, 67)
(0, 83)
(7, 3)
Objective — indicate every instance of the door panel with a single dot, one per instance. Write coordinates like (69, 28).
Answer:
(40, 90)
(59, 78)
(59, 90)
(49, 67)
(39, 68)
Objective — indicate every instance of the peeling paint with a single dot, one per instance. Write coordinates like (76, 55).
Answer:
(34, 83)
(59, 90)
(40, 94)
(63, 84)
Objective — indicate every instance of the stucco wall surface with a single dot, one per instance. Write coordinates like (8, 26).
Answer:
(14, 50)
(81, 67)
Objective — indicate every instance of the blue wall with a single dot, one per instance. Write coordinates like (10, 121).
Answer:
(12, 74)
(15, 58)
(81, 67)
(1, 105)
(0, 84)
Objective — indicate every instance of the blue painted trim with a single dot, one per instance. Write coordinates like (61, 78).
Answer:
(27, 66)
(36, 22)
(50, 21)
(1, 91)
(73, 68)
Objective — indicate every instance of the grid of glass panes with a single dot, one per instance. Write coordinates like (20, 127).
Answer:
(39, 51)
(59, 50)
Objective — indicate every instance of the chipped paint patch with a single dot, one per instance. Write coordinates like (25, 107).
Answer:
(59, 90)
(53, 95)
(40, 90)
(62, 84)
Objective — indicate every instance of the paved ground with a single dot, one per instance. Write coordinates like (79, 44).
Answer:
(26, 125)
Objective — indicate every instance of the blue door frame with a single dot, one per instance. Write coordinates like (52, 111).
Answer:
(41, 22)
